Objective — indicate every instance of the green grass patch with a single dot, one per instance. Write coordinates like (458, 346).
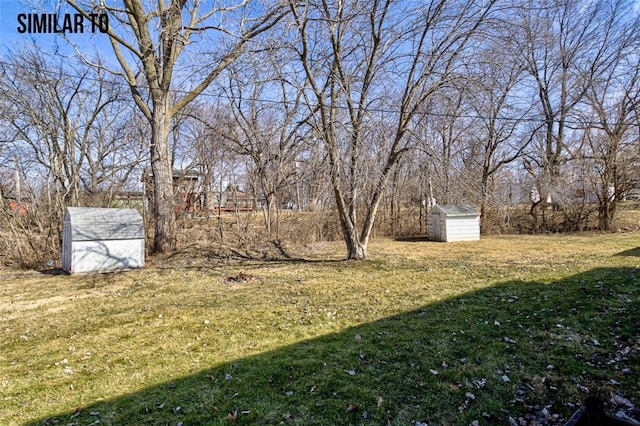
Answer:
(438, 333)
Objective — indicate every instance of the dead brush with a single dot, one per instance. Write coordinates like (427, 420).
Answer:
(31, 240)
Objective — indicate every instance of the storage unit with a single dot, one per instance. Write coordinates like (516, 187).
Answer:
(454, 223)
(100, 240)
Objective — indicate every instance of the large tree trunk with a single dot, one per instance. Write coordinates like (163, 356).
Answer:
(165, 224)
(356, 249)
(606, 212)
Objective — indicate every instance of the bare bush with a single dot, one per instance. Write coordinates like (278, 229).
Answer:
(30, 237)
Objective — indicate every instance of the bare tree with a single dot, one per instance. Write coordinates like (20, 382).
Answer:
(499, 128)
(356, 55)
(562, 44)
(66, 120)
(152, 39)
(269, 131)
(612, 101)
(443, 132)
(63, 123)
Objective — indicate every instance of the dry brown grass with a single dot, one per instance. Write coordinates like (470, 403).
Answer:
(124, 344)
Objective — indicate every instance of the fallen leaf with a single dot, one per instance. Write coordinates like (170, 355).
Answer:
(479, 383)
(233, 416)
(583, 388)
(454, 386)
(618, 400)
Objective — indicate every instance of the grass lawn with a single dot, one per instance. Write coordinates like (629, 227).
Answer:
(437, 333)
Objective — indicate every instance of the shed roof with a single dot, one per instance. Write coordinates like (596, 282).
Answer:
(457, 210)
(92, 223)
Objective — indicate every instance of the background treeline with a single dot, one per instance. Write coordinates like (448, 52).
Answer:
(339, 119)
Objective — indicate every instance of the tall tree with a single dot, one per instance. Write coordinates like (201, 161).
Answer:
(371, 65)
(499, 116)
(153, 39)
(269, 127)
(66, 120)
(612, 100)
(562, 43)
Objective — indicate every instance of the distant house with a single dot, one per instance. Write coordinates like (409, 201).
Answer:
(454, 223)
(186, 189)
(102, 239)
(191, 197)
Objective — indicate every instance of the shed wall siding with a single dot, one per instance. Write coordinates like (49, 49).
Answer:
(436, 230)
(66, 245)
(442, 228)
(462, 229)
(453, 223)
(110, 255)
(102, 239)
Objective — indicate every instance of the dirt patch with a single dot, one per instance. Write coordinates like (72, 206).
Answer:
(243, 278)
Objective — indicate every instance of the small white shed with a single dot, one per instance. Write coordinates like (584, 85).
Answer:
(101, 239)
(454, 223)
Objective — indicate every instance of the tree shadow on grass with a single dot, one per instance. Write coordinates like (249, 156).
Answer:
(629, 253)
(273, 253)
(53, 271)
(414, 239)
(503, 351)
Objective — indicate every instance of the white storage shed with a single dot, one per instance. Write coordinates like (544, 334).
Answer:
(102, 239)
(454, 223)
